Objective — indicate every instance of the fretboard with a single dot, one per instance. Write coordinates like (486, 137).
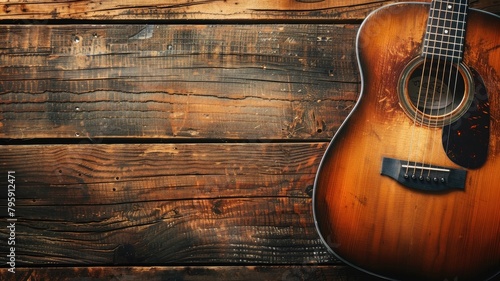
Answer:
(444, 36)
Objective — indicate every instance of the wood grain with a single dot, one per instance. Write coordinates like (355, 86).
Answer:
(194, 273)
(176, 81)
(205, 231)
(164, 203)
(305, 10)
(93, 174)
(126, 164)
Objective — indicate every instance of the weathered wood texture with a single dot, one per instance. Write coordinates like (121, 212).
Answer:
(125, 162)
(347, 10)
(194, 273)
(157, 204)
(176, 81)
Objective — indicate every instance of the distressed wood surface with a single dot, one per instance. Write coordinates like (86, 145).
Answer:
(347, 10)
(176, 81)
(173, 141)
(205, 231)
(195, 273)
(163, 204)
(117, 173)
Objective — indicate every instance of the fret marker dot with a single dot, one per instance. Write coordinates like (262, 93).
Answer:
(446, 31)
(449, 7)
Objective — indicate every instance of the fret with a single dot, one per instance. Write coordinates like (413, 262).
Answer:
(442, 50)
(445, 55)
(443, 27)
(449, 5)
(448, 13)
(440, 21)
(445, 32)
(447, 22)
(453, 55)
(444, 36)
(438, 43)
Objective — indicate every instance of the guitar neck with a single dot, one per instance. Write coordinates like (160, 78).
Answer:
(445, 33)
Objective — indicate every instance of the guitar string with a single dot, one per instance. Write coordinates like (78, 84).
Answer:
(461, 37)
(437, 82)
(444, 32)
(419, 96)
(434, 106)
(454, 58)
(429, 102)
(425, 79)
(415, 117)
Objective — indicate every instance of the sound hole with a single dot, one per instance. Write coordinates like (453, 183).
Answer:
(434, 93)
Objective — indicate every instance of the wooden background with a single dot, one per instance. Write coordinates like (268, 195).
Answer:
(172, 140)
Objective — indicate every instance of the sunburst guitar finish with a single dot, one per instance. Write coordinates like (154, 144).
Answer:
(409, 187)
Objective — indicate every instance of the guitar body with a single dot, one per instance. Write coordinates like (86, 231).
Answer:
(372, 221)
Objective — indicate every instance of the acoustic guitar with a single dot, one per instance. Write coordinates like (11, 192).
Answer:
(409, 187)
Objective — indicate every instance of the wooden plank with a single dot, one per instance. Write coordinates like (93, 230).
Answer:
(176, 81)
(199, 10)
(163, 204)
(205, 231)
(193, 273)
(96, 174)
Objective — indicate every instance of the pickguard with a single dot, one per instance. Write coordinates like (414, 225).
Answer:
(466, 140)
